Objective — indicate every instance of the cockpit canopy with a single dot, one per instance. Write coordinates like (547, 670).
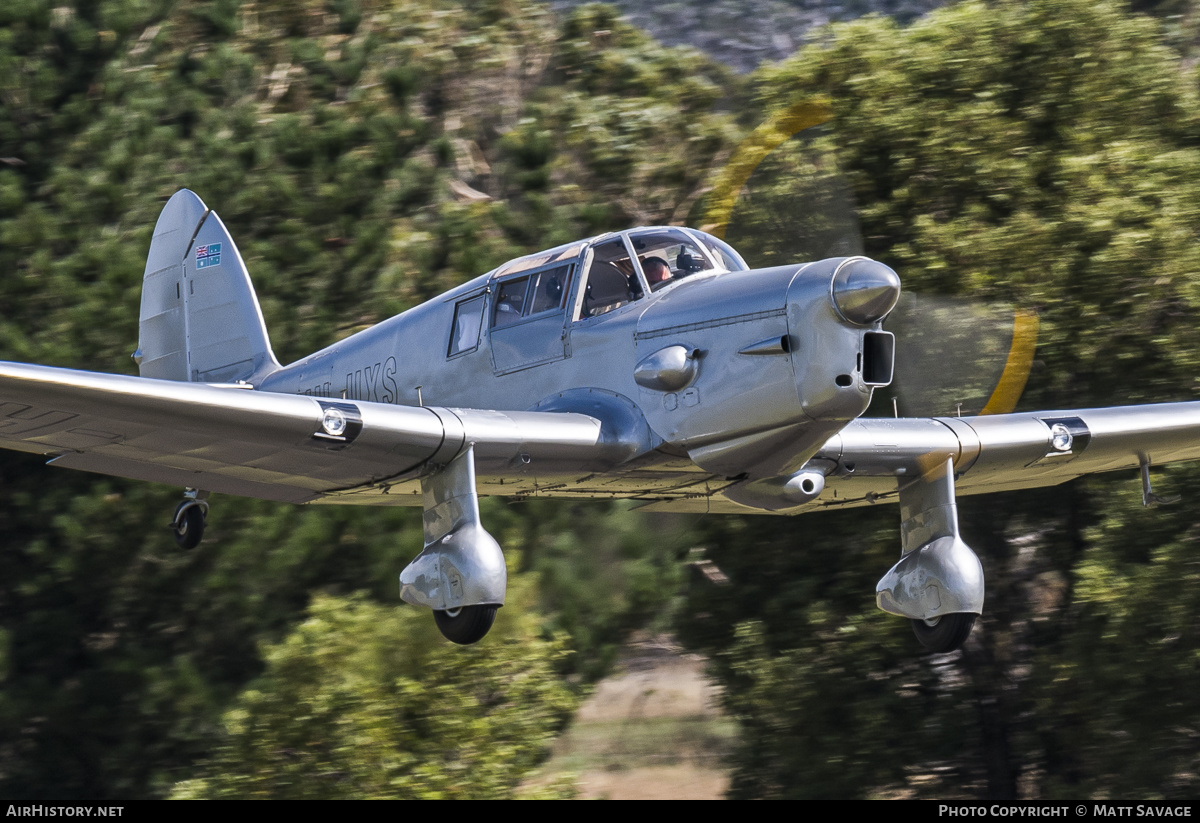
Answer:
(628, 265)
(620, 268)
(587, 279)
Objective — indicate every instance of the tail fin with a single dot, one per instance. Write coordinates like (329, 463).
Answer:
(200, 319)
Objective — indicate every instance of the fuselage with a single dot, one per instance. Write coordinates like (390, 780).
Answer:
(720, 371)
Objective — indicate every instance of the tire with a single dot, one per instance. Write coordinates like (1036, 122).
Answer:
(466, 625)
(946, 633)
(189, 527)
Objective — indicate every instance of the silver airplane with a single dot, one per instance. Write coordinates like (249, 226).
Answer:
(650, 364)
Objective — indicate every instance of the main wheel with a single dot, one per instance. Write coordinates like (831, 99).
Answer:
(945, 633)
(189, 526)
(466, 625)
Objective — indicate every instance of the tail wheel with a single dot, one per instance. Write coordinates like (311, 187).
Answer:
(945, 633)
(188, 527)
(465, 625)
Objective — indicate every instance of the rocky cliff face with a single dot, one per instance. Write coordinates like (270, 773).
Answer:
(743, 33)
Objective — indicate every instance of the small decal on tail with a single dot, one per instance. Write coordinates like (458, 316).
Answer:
(209, 255)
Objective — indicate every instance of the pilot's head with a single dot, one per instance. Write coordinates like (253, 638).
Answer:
(656, 269)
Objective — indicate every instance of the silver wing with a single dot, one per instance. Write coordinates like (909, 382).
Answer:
(239, 441)
(872, 459)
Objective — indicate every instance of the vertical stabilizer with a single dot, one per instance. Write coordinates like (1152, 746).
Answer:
(200, 318)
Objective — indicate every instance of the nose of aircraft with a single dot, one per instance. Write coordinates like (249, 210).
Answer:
(864, 290)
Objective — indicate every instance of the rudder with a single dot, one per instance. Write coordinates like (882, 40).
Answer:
(200, 319)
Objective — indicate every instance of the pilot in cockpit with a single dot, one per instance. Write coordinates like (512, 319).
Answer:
(658, 273)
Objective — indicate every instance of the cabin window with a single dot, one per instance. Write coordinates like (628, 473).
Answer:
(611, 281)
(722, 252)
(667, 255)
(510, 302)
(538, 293)
(468, 318)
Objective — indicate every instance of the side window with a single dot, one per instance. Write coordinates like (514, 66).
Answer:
(534, 294)
(667, 255)
(723, 252)
(611, 281)
(549, 290)
(468, 318)
(510, 302)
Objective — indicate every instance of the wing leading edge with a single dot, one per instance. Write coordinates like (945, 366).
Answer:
(273, 446)
(871, 459)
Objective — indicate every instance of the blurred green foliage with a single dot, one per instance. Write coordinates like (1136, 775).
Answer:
(366, 701)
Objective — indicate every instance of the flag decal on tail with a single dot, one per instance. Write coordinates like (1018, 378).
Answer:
(209, 255)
